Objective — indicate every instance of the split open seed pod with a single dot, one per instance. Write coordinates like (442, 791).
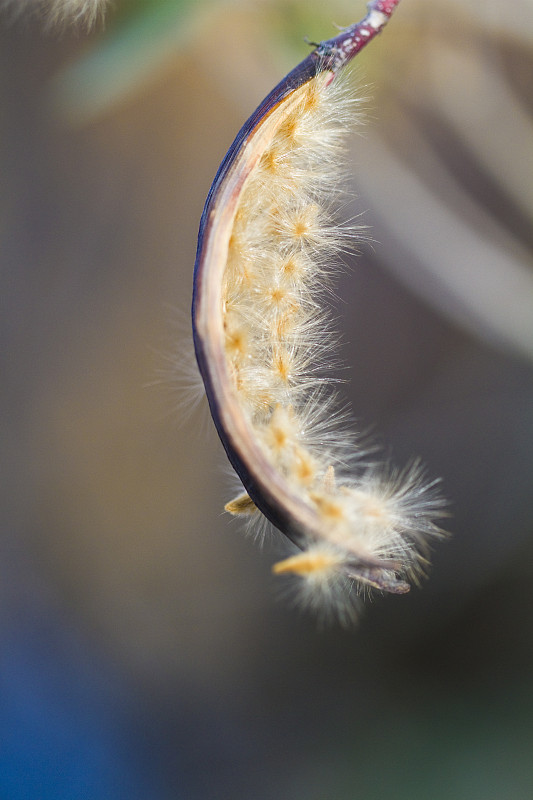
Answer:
(267, 244)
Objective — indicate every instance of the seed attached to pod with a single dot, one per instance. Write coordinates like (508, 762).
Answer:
(267, 241)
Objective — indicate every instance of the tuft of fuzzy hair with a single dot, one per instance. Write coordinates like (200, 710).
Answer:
(315, 581)
(372, 524)
(58, 14)
(177, 371)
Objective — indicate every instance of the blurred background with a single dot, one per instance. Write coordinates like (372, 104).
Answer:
(144, 649)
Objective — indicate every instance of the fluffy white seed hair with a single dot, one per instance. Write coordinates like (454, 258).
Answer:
(57, 13)
(266, 345)
(278, 348)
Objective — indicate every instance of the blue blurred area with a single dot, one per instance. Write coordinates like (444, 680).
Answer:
(62, 725)
(65, 713)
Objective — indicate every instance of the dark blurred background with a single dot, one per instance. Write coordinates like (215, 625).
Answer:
(144, 650)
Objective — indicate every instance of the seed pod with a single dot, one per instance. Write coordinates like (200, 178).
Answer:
(266, 244)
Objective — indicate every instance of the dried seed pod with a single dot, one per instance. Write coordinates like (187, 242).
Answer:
(267, 239)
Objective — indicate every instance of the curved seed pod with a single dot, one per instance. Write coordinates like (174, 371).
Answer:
(266, 241)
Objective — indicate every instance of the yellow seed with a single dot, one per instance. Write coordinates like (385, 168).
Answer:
(373, 509)
(243, 504)
(282, 325)
(306, 563)
(235, 243)
(272, 162)
(278, 295)
(304, 466)
(328, 508)
(236, 342)
(371, 506)
(290, 127)
(312, 98)
(329, 479)
(280, 431)
(281, 363)
(292, 269)
(301, 227)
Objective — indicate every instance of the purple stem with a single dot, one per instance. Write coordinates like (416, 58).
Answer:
(335, 53)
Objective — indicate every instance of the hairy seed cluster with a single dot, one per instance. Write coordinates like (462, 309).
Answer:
(282, 251)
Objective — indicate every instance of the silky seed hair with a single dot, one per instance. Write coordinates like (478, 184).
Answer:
(58, 14)
(267, 254)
